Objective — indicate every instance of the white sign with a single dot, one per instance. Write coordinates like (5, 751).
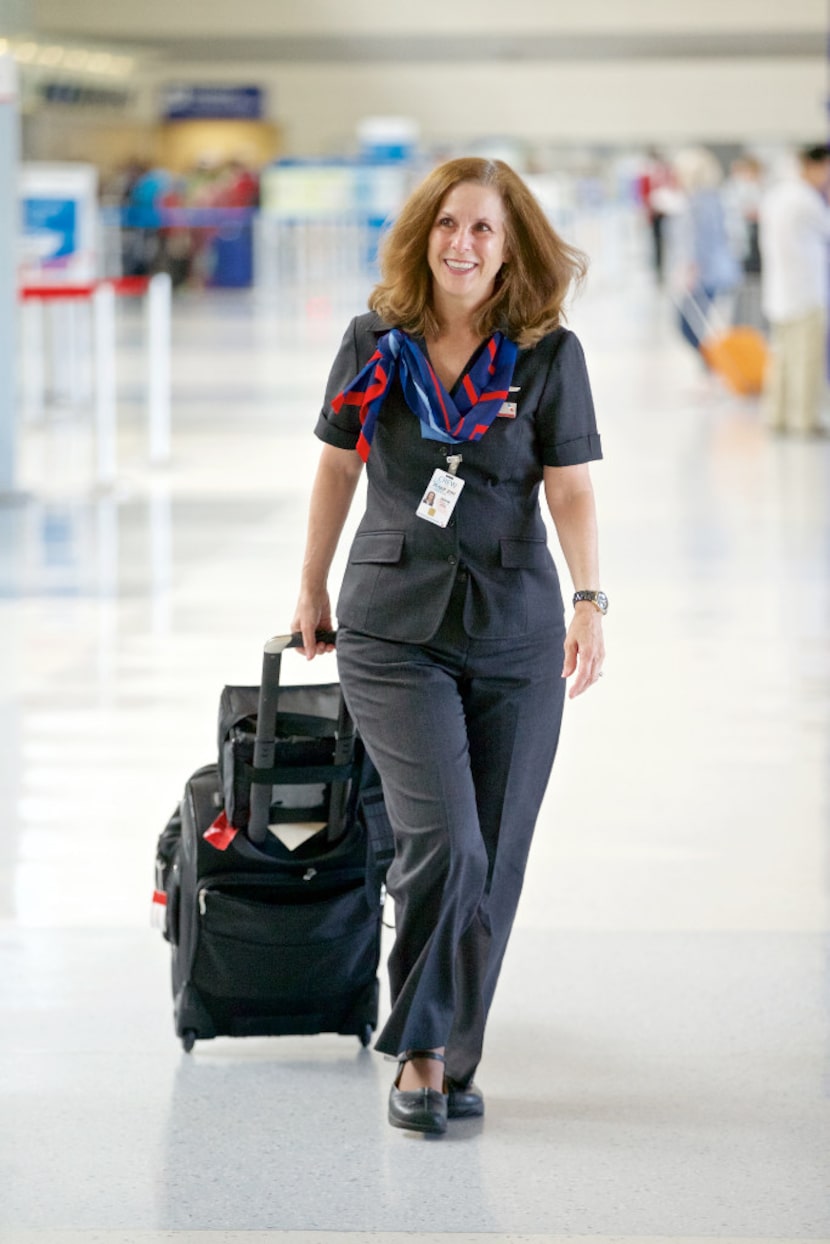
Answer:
(59, 220)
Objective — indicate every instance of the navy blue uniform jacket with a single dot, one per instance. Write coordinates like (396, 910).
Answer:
(401, 569)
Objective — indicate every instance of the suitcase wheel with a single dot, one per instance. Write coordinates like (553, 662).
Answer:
(188, 1039)
(365, 1035)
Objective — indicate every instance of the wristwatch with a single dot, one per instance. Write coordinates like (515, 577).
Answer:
(598, 599)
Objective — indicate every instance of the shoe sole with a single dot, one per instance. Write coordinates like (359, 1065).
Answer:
(474, 1112)
(425, 1129)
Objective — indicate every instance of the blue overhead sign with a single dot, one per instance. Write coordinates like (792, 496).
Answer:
(184, 102)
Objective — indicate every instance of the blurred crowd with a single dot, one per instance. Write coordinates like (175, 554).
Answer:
(184, 224)
(734, 246)
(742, 253)
(705, 232)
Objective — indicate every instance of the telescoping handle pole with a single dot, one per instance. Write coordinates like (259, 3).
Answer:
(266, 725)
(343, 753)
(706, 321)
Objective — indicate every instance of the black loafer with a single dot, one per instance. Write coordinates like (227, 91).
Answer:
(464, 1101)
(418, 1110)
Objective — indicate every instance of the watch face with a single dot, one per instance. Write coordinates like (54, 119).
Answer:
(602, 601)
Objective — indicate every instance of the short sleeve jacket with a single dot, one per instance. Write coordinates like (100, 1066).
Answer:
(401, 569)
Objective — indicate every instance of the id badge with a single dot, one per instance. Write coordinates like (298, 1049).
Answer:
(440, 498)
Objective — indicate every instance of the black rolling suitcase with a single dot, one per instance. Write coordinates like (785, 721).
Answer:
(269, 876)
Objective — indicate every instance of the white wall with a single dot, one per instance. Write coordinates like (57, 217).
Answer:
(667, 99)
(318, 106)
(147, 19)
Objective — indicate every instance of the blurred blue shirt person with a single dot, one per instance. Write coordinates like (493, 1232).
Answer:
(704, 262)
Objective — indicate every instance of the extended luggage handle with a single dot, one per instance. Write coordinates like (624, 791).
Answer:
(265, 740)
(279, 643)
(704, 322)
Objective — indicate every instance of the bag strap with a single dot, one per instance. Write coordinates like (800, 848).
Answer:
(266, 726)
(380, 841)
(299, 775)
(306, 725)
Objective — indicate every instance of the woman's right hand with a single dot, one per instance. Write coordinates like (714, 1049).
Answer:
(313, 614)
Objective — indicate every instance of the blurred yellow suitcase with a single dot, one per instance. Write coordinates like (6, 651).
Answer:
(739, 356)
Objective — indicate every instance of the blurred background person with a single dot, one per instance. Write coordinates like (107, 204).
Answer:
(201, 191)
(742, 192)
(237, 185)
(150, 243)
(143, 212)
(794, 231)
(704, 266)
(659, 197)
(235, 196)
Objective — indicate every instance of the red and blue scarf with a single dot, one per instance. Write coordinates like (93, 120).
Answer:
(466, 417)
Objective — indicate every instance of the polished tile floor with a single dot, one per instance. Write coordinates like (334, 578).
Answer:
(657, 1066)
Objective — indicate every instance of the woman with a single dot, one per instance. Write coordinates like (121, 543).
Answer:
(461, 382)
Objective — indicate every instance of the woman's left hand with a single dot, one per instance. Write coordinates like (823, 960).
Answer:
(584, 649)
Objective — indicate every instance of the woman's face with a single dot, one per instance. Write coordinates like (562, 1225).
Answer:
(466, 246)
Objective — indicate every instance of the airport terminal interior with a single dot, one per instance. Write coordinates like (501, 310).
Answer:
(657, 1065)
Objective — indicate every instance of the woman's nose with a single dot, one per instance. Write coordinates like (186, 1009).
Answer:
(462, 238)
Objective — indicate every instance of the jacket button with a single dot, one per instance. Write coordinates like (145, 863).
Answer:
(452, 559)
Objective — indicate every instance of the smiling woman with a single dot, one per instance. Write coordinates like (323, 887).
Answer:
(460, 385)
(466, 248)
(528, 290)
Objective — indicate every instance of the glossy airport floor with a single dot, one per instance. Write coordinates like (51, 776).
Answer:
(657, 1065)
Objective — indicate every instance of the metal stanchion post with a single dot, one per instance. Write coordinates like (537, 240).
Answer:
(159, 298)
(9, 160)
(33, 351)
(105, 395)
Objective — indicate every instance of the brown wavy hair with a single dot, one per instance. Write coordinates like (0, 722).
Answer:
(531, 286)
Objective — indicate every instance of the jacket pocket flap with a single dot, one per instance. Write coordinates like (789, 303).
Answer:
(377, 546)
(523, 554)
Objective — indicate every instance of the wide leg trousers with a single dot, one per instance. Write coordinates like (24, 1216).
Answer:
(795, 387)
(463, 732)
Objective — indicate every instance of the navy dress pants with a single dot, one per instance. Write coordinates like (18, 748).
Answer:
(463, 732)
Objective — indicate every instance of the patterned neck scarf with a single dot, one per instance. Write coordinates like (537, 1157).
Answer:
(466, 417)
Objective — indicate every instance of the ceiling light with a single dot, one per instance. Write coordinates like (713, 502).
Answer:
(100, 62)
(50, 56)
(76, 59)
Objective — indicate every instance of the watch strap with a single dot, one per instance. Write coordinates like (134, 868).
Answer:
(597, 598)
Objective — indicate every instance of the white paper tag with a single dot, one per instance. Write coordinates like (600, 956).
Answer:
(440, 498)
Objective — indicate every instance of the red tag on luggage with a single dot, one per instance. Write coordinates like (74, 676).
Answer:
(158, 910)
(220, 834)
